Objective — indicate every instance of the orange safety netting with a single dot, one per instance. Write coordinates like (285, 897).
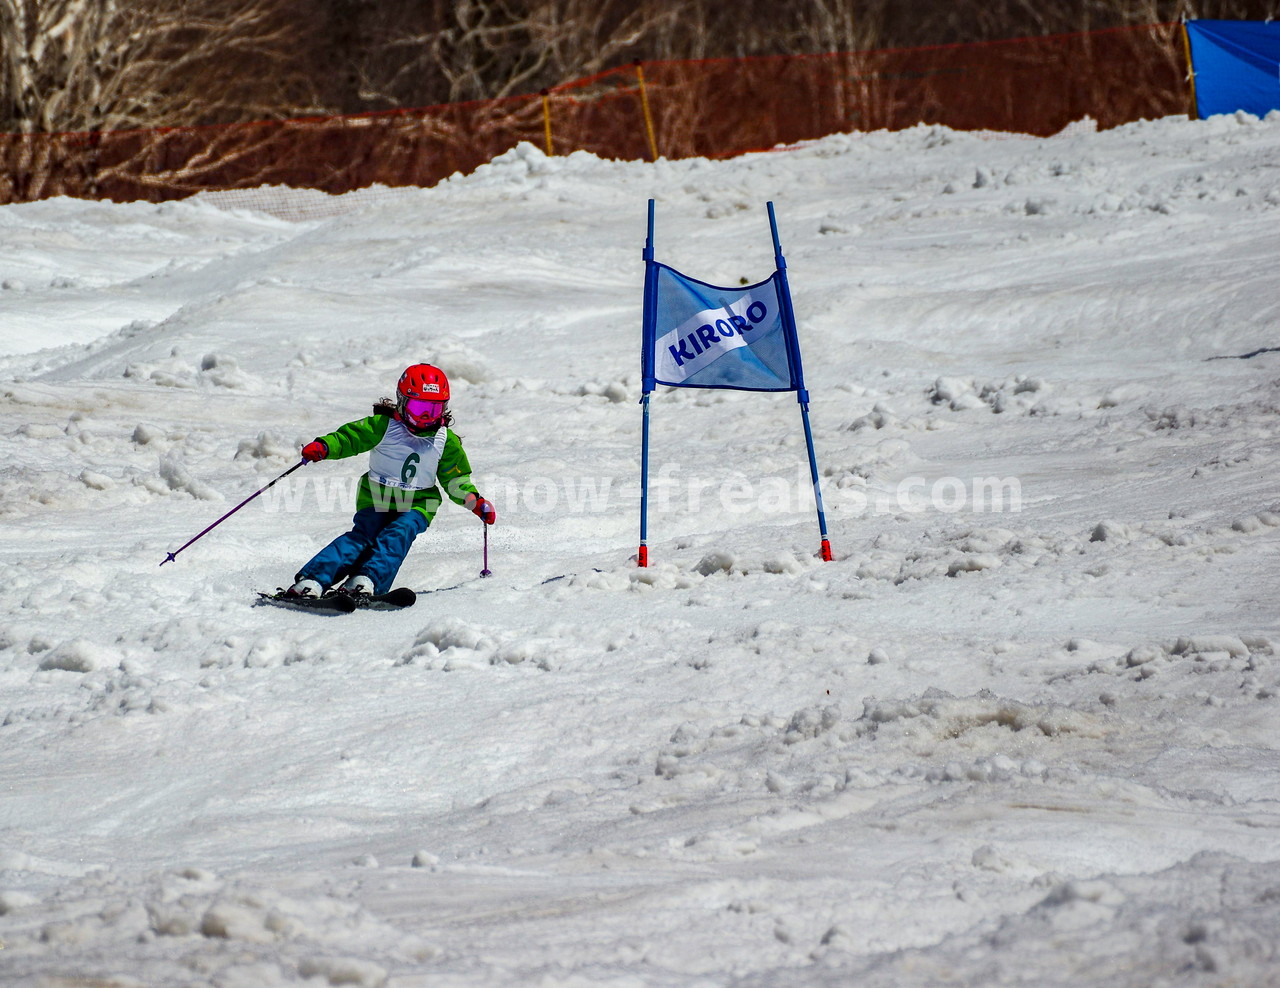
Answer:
(713, 108)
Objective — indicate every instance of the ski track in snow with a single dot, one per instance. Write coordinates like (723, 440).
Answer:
(1032, 746)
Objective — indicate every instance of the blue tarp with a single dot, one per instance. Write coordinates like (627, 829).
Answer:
(1236, 65)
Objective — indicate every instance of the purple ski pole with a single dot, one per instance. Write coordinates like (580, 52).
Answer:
(171, 556)
(485, 571)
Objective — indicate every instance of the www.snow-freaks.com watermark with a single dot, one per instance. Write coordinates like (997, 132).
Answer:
(672, 489)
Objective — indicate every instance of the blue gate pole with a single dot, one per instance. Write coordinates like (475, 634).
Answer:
(797, 372)
(642, 554)
(647, 375)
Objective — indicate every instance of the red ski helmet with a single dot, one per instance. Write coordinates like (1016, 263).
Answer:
(422, 396)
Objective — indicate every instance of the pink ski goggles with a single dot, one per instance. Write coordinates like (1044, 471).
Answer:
(424, 409)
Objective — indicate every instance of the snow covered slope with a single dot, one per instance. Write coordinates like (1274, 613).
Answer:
(1021, 731)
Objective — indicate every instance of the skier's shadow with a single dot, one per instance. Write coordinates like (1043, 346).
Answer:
(1246, 356)
(470, 580)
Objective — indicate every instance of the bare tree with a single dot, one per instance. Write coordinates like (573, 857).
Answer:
(102, 64)
(448, 51)
(79, 65)
(403, 53)
(926, 22)
(51, 58)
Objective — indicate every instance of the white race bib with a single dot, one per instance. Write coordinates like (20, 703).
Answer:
(407, 461)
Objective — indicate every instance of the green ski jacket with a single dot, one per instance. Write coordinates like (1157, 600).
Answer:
(406, 471)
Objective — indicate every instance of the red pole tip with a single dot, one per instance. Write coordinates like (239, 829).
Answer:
(825, 551)
(642, 557)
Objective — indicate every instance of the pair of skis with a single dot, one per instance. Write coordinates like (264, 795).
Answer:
(338, 602)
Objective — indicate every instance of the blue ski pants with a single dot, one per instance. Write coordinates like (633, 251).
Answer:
(375, 547)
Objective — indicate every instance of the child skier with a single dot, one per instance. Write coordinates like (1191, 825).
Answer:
(411, 448)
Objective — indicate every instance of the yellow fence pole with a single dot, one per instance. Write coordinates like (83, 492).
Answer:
(546, 121)
(648, 117)
(1191, 70)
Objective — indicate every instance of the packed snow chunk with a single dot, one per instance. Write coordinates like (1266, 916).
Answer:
(224, 372)
(1143, 654)
(179, 478)
(781, 563)
(946, 716)
(462, 363)
(988, 540)
(180, 918)
(881, 416)
(453, 633)
(1080, 904)
(999, 768)
(885, 654)
(958, 394)
(988, 858)
(1176, 417)
(257, 975)
(81, 655)
(96, 481)
(227, 920)
(810, 722)
(1112, 531)
(1201, 644)
(272, 652)
(664, 576)
(267, 446)
(1256, 644)
(973, 563)
(13, 901)
(515, 653)
(145, 435)
(1090, 890)
(836, 941)
(609, 580)
(175, 371)
(716, 562)
(344, 971)
(170, 372)
(514, 166)
(452, 641)
(1118, 395)
(1261, 522)
(949, 389)
(615, 391)
(40, 430)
